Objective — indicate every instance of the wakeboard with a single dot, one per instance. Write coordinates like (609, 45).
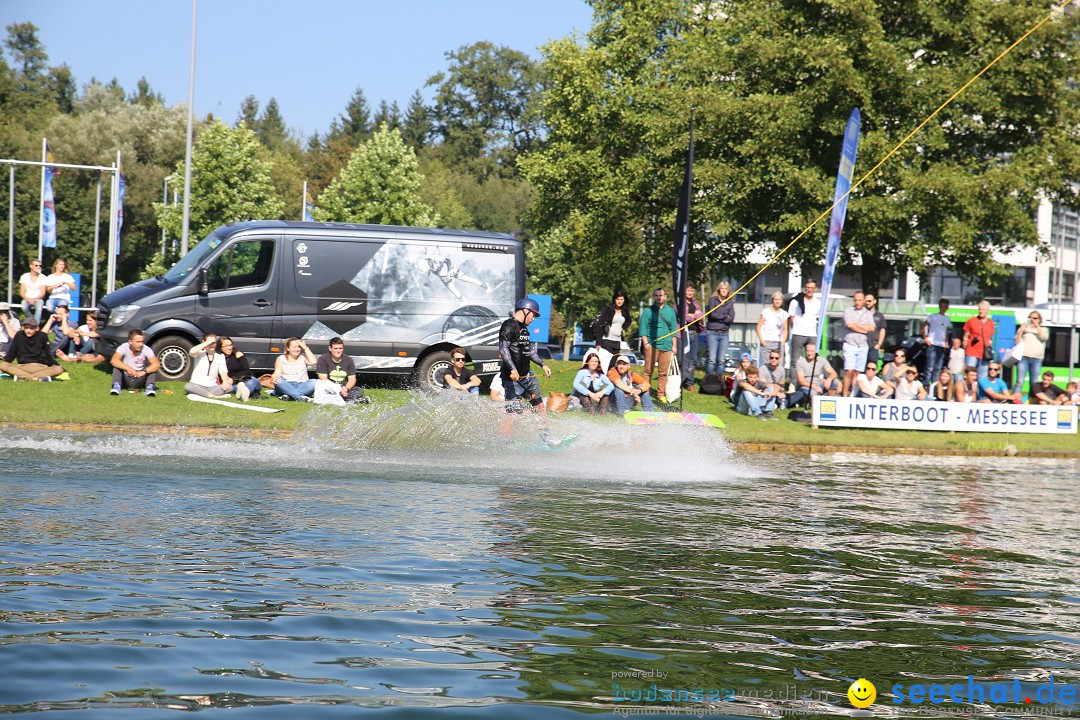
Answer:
(638, 417)
(553, 444)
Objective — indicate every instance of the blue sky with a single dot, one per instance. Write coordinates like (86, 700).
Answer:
(309, 54)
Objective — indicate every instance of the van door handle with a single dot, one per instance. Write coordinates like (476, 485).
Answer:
(262, 303)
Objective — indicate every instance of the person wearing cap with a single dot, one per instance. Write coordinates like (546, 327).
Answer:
(31, 353)
(630, 387)
(516, 350)
(745, 363)
(9, 325)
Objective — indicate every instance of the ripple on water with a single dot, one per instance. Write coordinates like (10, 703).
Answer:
(349, 570)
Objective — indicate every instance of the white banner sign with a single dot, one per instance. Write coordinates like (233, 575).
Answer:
(924, 415)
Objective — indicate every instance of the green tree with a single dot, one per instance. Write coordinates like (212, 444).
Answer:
(144, 94)
(380, 185)
(249, 113)
(485, 112)
(417, 128)
(771, 87)
(388, 114)
(230, 182)
(271, 129)
(441, 190)
(355, 124)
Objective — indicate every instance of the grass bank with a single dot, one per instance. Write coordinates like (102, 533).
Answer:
(84, 401)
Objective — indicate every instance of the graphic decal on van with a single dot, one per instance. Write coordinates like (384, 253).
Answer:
(411, 292)
(342, 306)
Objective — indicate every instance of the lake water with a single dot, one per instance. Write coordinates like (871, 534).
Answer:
(399, 564)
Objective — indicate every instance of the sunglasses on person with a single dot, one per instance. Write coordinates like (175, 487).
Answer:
(459, 359)
(994, 369)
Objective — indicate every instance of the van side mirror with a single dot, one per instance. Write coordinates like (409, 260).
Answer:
(204, 281)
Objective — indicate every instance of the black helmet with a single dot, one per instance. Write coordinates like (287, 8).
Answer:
(527, 303)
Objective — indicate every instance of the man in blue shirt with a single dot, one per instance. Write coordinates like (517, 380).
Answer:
(992, 389)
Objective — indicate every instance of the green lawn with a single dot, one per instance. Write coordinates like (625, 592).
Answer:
(85, 400)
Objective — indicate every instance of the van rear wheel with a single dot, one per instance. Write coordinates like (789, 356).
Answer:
(430, 372)
(173, 352)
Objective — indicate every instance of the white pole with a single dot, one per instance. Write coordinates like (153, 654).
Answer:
(97, 241)
(303, 204)
(164, 201)
(11, 231)
(41, 201)
(1072, 332)
(110, 264)
(187, 151)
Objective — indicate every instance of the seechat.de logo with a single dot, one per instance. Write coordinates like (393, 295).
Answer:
(828, 410)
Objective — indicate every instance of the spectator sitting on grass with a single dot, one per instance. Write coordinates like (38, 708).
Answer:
(992, 389)
(134, 365)
(895, 370)
(870, 384)
(813, 376)
(592, 386)
(457, 377)
(1074, 396)
(245, 384)
(210, 378)
(30, 349)
(967, 389)
(87, 351)
(943, 388)
(630, 387)
(1047, 393)
(65, 337)
(9, 325)
(756, 397)
(910, 387)
(291, 381)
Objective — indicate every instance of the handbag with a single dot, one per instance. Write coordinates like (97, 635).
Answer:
(1014, 356)
(557, 402)
(267, 381)
(673, 382)
(988, 353)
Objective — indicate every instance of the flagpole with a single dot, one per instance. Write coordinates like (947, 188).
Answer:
(110, 282)
(97, 241)
(303, 204)
(41, 203)
(11, 231)
(185, 232)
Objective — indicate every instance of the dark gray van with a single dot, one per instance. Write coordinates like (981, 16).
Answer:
(399, 297)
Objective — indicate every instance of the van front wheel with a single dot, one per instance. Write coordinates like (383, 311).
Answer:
(173, 352)
(430, 372)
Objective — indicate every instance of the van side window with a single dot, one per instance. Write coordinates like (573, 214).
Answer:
(245, 264)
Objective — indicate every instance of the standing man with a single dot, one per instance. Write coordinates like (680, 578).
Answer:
(935, 333)
(657, 327)
(803, 311)
(876, 337)
(979, 340)
(516, 350)
(692, 318)
(859, 322)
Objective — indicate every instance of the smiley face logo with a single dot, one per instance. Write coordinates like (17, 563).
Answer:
(862, 693)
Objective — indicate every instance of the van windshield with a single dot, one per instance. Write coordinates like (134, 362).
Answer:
(194, 259)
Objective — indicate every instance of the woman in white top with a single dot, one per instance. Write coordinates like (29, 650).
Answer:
(772, 329)
(1033, 336)
(210, 378)
(60, 285)
(32, 290)
(291, 381)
